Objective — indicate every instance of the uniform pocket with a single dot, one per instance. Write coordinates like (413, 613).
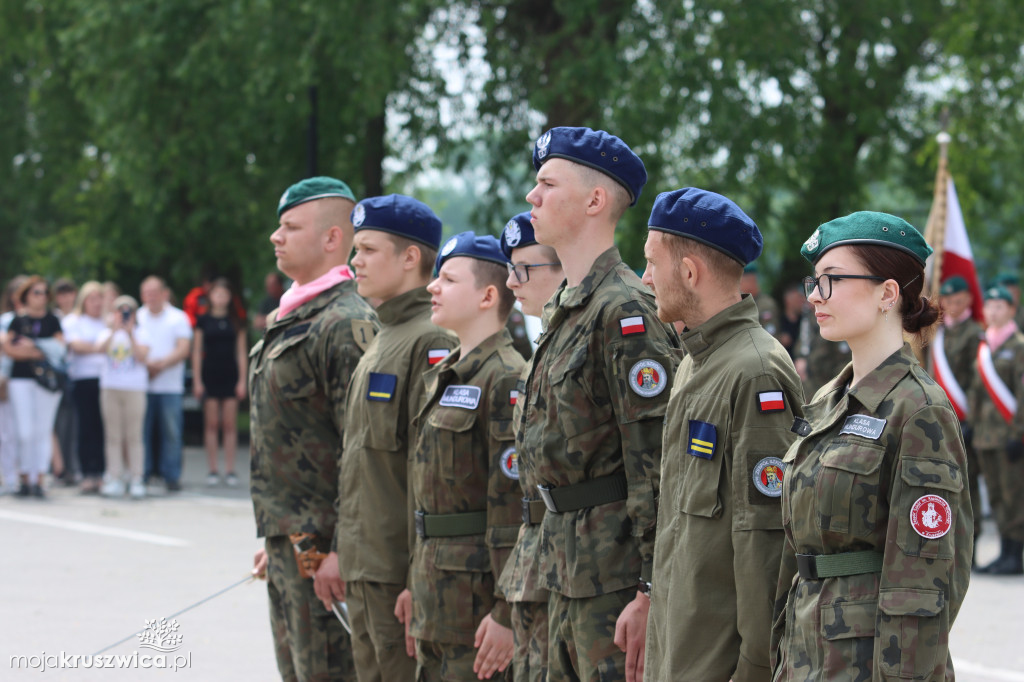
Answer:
(847, 488)
(909, 631)
(453, 429)
(698, 490)
(849, 629)
(579, 408)
(291, 373)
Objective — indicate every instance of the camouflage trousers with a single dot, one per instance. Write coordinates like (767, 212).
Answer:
(581, 634)
(1005, 482)
(441, 662)
(530, 627)
(310, 643)
(378, 639)
(973, 469)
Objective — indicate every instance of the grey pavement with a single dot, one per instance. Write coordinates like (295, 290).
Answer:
(80, 573)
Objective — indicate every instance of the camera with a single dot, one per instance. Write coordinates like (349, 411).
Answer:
(126, 314)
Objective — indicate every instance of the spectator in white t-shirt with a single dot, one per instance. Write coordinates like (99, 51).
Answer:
(123, 383)
(82, 328)
(170, 337)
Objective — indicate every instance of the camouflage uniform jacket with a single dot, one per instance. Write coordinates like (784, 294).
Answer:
(464, 462)
(716, 560)
(865, 489)
(374, 534)
(520, 581)
(595, 398)
(298, 378)
(961, 346)
(990, 429)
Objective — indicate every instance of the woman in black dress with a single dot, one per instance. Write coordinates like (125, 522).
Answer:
(218, 367)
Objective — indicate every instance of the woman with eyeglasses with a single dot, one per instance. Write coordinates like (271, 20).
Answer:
(34, 334)
(875, 504)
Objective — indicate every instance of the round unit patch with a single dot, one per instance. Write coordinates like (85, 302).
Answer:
(508, 461)
(449, 246)
(512, 233)
(647, 378)
(813, 241)
(768, 474)
(358, 215)
(931, 517)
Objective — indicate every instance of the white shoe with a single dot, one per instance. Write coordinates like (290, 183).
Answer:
(113, 488)
(137, 489)
(231, 481)
(212, 480)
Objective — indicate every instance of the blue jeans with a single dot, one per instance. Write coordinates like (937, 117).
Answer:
(166, 412)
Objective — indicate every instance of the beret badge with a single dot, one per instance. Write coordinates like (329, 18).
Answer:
(358, 215)
(284, 199)
(449, 246)
(542, 144)
(512, 233)
(812, 242)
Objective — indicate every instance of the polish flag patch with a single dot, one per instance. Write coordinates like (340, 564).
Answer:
(632, 325)
(513, 397)
(436, 355)
(771, 401)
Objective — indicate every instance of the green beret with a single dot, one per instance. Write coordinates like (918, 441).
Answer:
(1006, 278)
(998, 292)
(750, 269)
(866, 227)
(953, 285)
(311, 189)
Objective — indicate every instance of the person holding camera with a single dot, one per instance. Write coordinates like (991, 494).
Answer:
(123, 382)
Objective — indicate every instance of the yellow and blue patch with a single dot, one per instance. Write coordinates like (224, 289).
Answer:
(382, 387)
(702, 439)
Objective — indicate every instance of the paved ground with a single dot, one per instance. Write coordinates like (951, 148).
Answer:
(78, 573)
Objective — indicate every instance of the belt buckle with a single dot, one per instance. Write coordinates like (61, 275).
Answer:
(526, 511)
(807, 566)
(545, 494)
(419, 519)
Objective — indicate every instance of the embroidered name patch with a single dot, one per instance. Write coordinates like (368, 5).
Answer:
(632, 325)
(466, 397)
(382, 387)
(702, 439)
(647, 378)
(931, 517)
(436, 355)
(768, 475)
(771, 401)
(508, 462)
(862, 425)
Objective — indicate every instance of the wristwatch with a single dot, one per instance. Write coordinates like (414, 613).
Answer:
(644, 587)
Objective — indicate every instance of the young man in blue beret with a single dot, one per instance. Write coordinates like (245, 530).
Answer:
(396, 242)
(535, 273)
(464, 477)
(727, 428)
(590, 429)
(298, 383)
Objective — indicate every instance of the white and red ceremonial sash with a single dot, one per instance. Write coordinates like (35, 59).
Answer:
(944, 375)
(1001, 395)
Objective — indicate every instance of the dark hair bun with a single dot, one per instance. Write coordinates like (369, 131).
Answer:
(923, 315)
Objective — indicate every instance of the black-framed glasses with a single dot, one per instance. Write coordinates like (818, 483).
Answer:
(522, 270)
(823, 283)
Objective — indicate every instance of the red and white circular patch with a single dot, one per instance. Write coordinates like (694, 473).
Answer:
(931, 517)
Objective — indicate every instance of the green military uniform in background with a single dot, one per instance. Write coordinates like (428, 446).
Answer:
(516, 326)
(877, 486)
(1004, 476)
(768, 313)
(374, 534)
(591, 429)
(298, 381)
(466, 493)
(716, 561)
(960, 342)
(824, 359)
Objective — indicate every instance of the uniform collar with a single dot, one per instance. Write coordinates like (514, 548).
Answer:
(404, 307)
(580, 294)
(313, 305)
(723, 325)
(872, 389)
(464, 368)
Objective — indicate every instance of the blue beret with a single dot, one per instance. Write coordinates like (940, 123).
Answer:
(597, 149)
(869, 228)
(710, 219)
(518, 233)
(399, 215)
(953, 285)
(311, 189)
(998, 292)
(471, 245)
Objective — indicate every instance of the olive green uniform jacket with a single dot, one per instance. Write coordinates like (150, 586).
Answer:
(465, 462)
(374, 534)
(882, 468)
(298, 382)
(594, 404)
(716, 560)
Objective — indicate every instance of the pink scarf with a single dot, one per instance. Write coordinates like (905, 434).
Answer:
(298, 294)
(951, 321)
(997, 336)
